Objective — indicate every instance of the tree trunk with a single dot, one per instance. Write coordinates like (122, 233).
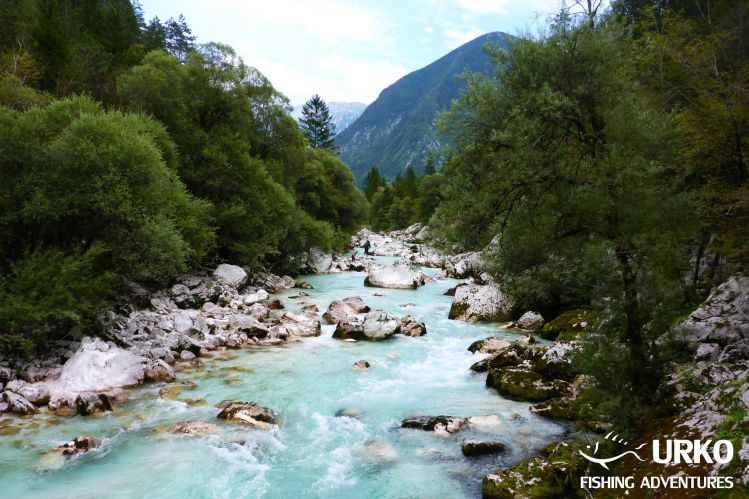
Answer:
(631, 307)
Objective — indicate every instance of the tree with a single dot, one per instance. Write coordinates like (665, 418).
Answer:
(372, 182)
(317, 123)
(560, 155)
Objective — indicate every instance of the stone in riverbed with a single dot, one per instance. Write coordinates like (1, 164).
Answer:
(522, 384)
(450, 424)
(348, 412)
(159, 371)
(376, 326)
(361, 364)
(230, 275)
(18, 404)
(398, 276)
(531, 321)
(479, 302)
(194, 428)
(88, 403)
(481, 447)
(249, 413)
(489, 345)
(341, 310)
(411, 327)
(79, 445)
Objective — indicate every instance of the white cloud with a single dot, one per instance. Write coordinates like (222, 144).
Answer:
(329, 20)
(485, 6)
(457, 37)
(428, 29)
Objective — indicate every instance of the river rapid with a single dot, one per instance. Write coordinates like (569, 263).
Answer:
(314, 453)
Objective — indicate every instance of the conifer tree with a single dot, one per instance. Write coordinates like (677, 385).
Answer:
(317, 123)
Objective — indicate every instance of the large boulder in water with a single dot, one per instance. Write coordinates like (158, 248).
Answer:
(531, 321)
(480, 302)
(18, 404)
(318, 261)
(249, 413)
(302, 324)
(341, 310)
(398, 276)
(377, 325)
(98, 366)
(522, 384)
(450, 424)
(230, 275)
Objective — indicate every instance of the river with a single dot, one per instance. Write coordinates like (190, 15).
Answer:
(313, 453)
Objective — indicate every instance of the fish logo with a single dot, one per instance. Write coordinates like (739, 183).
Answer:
(605, 461)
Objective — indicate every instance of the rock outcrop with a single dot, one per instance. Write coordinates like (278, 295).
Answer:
(342, 310)
(479, 302)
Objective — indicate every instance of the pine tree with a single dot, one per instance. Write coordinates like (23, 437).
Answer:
(372, 182)
(317, 123)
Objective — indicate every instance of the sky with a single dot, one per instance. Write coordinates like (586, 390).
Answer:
(347, 50)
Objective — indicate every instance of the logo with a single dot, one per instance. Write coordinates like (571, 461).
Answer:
(667, 452)
(605, 461)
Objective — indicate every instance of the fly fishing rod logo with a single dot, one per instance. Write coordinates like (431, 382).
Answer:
(668, 452)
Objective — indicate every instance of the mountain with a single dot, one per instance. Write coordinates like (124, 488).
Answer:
(396, 130)
(343, 113)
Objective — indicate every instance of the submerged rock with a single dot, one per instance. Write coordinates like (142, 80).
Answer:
(349, 412)
(194, 428)
(398, 276)
(479, 302)
(481, 447)
(249, 413)
(88, 403)
(79, 445)
(450, 424)
(361, 364)
(379, 451)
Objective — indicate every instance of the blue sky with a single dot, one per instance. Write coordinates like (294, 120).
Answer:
(347, 50)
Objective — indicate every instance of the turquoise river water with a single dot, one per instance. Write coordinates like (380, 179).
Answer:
(313, 453)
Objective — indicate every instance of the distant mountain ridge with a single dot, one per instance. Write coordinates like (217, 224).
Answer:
(343, 113)
(396, 130)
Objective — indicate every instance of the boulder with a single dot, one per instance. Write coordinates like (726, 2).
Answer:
(464, 265)
(301, 324)
(398, 276)
(481, 447)
(79, 445)
(707, 352)
(88, 403)
(522, 384)
(511, 356)
(341, 310)
(98, 366)
(230, 275)
(376, 326)
(249, 413)
(37, 393)
(349, 412)
(479, 302)
(318, 261)
(449, 424)
(18, 404)
(193, 428)
(186, 356)
(489, 345)
(723, 318)
(361, 364)
(531, 321)
(411, 327)
(379, 451)
(159, 371)
(247, 324)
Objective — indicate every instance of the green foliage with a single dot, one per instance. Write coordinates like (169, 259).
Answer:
(372, 182)
(317, 123)
(92, 191)
(562, 157)
(242, 152)
(50, 295)
(407, 200)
